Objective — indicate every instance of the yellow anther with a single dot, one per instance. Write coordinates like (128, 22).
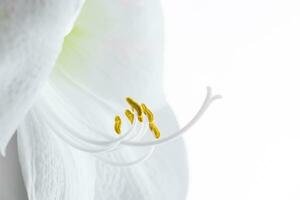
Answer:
(155, 130)
(135, 106)
(118, 123)
(148, 113)
(129, 115)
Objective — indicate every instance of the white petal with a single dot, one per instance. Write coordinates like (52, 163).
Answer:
(116, 49)
(51, 170)
(31, 34)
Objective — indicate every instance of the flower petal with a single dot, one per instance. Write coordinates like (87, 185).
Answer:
(116, 50)
(52, 170)
(31, 35)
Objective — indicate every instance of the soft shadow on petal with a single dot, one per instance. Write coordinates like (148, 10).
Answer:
(31, 35)
(11, 181)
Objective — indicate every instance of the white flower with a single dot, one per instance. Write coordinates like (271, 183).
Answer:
(65, 70)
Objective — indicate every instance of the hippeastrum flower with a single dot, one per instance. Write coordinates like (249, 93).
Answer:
(81, 82)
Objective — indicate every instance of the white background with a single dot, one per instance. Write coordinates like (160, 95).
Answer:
(247, 146)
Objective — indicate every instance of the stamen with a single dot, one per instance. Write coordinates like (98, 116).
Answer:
(135, 106)
(208, 100)
(73, 137)
(148, 113)
(74, 133)
(129, 115)
(118, 124)
(154, 129)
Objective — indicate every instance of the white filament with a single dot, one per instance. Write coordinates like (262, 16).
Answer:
(130, 138)
(108, 148)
